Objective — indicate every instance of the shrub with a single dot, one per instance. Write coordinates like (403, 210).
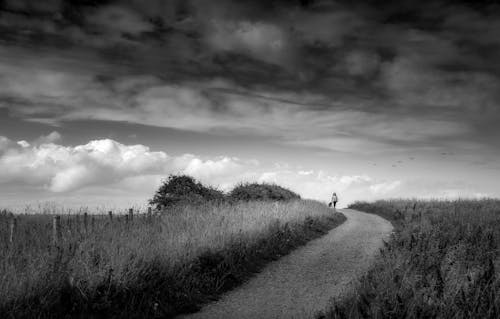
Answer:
(255, 191)
(183, 189)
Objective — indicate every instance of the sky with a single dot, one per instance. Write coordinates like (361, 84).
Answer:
(101, 100)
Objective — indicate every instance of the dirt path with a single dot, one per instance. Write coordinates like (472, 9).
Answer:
(302, 283)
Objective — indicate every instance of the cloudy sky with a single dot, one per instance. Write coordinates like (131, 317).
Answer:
(101, 100)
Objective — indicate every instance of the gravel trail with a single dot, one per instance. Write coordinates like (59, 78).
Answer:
(302, 283)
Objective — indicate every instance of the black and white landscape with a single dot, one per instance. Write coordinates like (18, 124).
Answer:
(158, 155)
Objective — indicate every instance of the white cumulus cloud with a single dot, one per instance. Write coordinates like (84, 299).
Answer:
(210, 168)
(23, 143)
(61, 168)
(50, 138)
(385, 187)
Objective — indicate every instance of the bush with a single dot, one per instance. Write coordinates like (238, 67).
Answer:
(255, 191)
(183, 189)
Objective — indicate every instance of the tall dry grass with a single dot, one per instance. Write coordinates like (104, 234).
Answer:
(154, 268)
(442, 262)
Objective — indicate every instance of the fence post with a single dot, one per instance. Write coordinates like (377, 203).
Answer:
(13, 229)
(56, 230)
(131, 214)
(86, 222)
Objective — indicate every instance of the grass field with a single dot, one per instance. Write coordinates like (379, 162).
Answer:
(442, 262)
(158, 267)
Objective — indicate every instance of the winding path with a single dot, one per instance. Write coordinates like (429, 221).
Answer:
(303, 282)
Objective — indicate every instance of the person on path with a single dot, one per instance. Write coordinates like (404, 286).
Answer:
(335, 199)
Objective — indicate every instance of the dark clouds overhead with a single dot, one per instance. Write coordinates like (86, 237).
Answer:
(434, 64)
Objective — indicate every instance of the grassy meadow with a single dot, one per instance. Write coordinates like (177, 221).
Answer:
(442, 262)
(161, 266)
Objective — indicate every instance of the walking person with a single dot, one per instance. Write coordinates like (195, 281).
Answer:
(334, 201)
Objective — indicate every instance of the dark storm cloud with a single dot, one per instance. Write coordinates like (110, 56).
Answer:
(377, 67)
